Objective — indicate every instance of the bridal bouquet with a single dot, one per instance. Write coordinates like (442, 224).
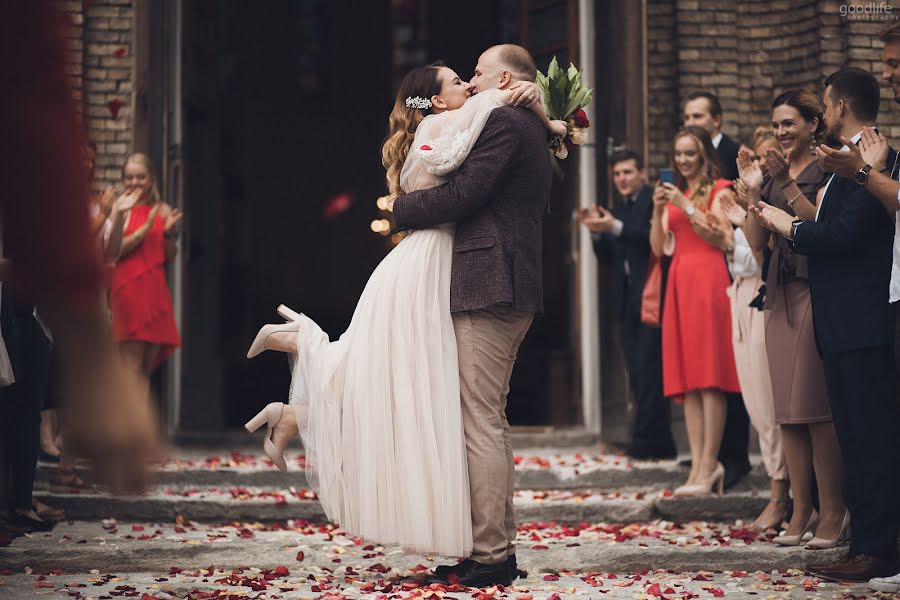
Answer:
(564, 99)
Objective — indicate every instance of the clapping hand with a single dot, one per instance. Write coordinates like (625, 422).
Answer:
(174, 217)
(714, 231)
(597, 219)
(749, 171)
(106, 200)
(127, 200)
(777, 166)
(773, 219)
(874, 148)
(841, 162)
(733, 211)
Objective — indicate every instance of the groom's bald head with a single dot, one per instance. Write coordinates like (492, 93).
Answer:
(500, 66)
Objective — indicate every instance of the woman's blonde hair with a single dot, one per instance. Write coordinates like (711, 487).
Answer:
(710, 165)
(422, 82)
(762, 134)
(144, 160)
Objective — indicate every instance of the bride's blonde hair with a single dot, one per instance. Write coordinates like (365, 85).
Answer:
(422, 82)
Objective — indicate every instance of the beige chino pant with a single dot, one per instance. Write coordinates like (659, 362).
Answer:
(488, 341)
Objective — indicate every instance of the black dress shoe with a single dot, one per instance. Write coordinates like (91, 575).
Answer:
(686, 462)
(734, 474)
(480, 576)
(514, 571)
(442, 572)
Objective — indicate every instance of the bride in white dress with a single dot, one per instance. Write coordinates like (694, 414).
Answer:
(379, 409)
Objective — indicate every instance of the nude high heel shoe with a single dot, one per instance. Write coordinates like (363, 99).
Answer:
(796, 540)
(287, 314)
(818, 543)
(269, 416)
(716, 481)
(260, 343)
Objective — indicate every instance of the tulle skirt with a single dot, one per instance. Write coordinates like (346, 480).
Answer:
(379, 409)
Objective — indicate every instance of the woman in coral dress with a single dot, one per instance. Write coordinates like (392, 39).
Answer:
(143, 317)
(698, 356)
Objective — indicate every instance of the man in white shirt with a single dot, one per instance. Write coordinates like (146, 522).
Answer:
(703, 109)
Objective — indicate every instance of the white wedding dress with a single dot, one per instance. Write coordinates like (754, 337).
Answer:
(379, 408)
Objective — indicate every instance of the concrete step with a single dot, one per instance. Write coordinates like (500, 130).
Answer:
(540, 469)
(120, 548)
(213, 504)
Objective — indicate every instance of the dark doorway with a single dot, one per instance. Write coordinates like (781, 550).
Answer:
(287, 105)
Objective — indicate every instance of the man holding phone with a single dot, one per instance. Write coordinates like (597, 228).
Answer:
(622, 236)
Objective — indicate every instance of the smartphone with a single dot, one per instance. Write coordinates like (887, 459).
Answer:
(667, 176)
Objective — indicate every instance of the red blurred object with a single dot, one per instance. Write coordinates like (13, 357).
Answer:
(336, 205)
(114, 106)
(120, 52)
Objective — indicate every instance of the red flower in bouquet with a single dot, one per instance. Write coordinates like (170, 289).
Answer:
(581, 119)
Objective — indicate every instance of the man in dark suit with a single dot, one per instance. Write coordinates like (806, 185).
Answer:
(703, 109)
(497, 199)
(623, 237)
(850, 253)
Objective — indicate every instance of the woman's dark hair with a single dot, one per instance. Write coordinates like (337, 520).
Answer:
(421, 82)
(807, 104)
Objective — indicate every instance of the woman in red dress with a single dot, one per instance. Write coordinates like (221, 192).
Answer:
(698, 356)
(143, 317)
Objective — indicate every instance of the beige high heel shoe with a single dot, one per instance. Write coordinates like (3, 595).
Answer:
(287, 314)
(796, 540)
(269, 416)
(818, 543)
(716, 481)
(260, 343)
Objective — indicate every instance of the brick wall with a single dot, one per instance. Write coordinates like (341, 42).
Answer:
(101, 64)
(748, 52)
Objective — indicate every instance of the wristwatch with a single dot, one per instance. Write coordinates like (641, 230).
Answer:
(862, 176)
(689, 210)
(794, 227)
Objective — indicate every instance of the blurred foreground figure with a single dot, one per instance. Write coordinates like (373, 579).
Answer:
(47, 237)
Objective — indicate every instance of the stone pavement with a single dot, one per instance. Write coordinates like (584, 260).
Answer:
(224, 524)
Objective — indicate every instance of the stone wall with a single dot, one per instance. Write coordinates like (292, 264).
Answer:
(101, 63)
(747, 52)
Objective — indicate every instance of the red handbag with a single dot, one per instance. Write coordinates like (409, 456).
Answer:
(651, 297)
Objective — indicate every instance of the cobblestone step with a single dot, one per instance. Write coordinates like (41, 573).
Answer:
(118, 548)
(545, 469)
(274, 504)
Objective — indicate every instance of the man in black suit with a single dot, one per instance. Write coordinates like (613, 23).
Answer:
(850, 253)
(623, 237)
(703, 109)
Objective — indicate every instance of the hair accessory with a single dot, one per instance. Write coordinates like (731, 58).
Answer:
(416, 102)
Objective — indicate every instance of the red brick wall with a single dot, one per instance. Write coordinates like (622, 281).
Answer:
(102, 65)
(748, 52)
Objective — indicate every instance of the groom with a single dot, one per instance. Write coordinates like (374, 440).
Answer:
(497, 200)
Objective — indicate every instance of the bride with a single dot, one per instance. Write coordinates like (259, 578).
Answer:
(379, 409)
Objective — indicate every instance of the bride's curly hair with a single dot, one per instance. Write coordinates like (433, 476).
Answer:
(422, 82)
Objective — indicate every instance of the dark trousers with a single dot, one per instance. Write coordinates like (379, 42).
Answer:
(862, 390)
(20, 407)
(733, 454)
(642, 346)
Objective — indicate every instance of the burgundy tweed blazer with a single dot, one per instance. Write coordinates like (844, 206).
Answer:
(497, 199)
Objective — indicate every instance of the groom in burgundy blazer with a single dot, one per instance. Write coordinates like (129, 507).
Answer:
(497, 199)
